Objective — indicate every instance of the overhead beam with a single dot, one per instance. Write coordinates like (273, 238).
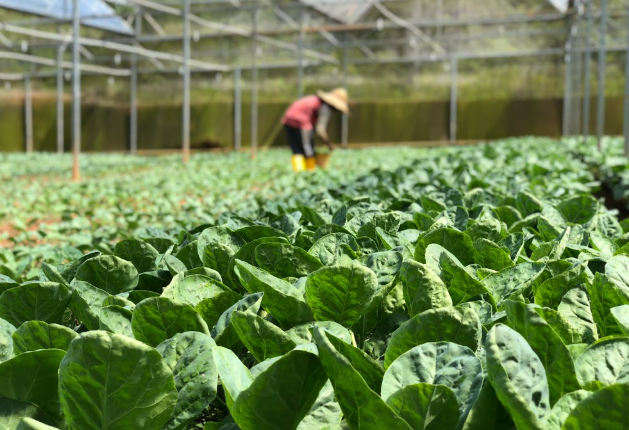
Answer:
(119, 47)
(231, 30)
(407, 25)
(44, 61)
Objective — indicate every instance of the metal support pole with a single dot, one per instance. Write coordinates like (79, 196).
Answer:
(454, 69)
(602, 60)
(626, 112)
(254, 83)
(300, 55)
(60, 107)
(133, 114)
(588, 61)
(76, 92)
(345, 117)
(237, 109)
(28, 114)
(567, 92)
(186, 82)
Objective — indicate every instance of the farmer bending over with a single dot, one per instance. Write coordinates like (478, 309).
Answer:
(308, 114)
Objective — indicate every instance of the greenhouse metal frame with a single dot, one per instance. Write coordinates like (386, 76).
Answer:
(583, 20)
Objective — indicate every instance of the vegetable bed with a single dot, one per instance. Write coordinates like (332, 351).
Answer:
(461, 288)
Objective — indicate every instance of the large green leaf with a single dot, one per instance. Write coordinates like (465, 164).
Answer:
(488, 254)
(617, 270)
(116, 319)
(369, 369)
(547, 345)
(282, 395)
(283, 260)
(363, 408)
(31, 424)
(562, 409)
(456, 325)
(247, 253)
(6, 340)
(335, 248)
(189, 356)
(109, 273)
(325, 413)
(302, 334)
(193, 289)
(34, 335)
(458, 243)
(604, 363)
(13, 411)
(43, 301)
(263, 339)
(211, 309)
(575, 309)
(605, 295)
(512, 281)
(141, 254)
(285, 302)
(386, 265)
(604, 409)
(551, 291)
(235, 377)
(518, 376)
(87, 302)
(223, 332)
(426, 406)
(423, 288)
(438, 363)
(621, 315)
(156, 319)
(341, 293)
(108, 381)
(32, 377)
(579, 209)
(462, 286)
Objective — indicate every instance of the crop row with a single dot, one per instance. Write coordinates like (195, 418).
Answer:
(471, 288)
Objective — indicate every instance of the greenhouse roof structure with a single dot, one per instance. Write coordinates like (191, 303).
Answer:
(127, 38)
(102, 15)
(347, 13)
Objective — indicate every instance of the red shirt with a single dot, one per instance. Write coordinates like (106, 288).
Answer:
(303, 113)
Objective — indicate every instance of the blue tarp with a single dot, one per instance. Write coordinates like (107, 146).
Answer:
(62, 9)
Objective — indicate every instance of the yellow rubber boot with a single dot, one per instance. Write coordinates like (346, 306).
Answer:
(298, 162)
(311, 163)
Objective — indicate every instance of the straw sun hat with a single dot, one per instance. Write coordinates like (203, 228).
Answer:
(336, 98)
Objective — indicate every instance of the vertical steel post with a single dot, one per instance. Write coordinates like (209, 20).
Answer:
(76, 92)
(254, 83)
(28, 114)
(625, 122)
(345, 117)
(439, 19)
(237, 109)
(454, 69)
(602, 60)
(300, 55)
(60, 107)
(588, 61)
(186, 83)
(133, 114)
(567, 92)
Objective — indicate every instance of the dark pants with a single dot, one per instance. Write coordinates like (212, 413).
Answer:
(300, 141)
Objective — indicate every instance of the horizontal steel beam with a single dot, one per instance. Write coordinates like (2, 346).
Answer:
(43, 61)
(115, 46)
